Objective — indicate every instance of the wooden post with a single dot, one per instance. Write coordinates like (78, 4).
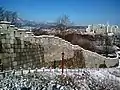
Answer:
(29, 70)
(1, 66)
(62, 63)
(36, 69)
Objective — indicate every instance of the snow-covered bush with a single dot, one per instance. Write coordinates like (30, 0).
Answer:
(91, 79)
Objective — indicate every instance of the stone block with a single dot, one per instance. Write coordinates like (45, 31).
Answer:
(11, 50)
(18, 50)
(14, 55)
(3, 40)
(11, 41)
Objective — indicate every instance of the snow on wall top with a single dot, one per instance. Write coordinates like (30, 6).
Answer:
(54, 46)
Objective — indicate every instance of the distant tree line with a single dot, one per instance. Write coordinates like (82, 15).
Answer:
(5, 15)
(11, 16)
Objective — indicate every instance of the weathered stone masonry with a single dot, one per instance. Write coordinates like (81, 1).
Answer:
(15, 52)
(22, 49)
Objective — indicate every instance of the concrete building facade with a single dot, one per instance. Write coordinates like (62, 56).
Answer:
(102, 29)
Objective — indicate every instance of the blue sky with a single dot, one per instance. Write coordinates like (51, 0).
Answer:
(81, 12)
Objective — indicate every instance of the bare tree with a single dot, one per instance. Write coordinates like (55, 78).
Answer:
(8, 16)
(14, 17)
(63, 22)
(1, 13)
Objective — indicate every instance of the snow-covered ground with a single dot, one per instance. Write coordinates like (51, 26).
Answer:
(53, 79)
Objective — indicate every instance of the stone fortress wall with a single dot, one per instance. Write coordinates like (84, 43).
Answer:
(15, 51)
(23, 49)
(53, 47)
